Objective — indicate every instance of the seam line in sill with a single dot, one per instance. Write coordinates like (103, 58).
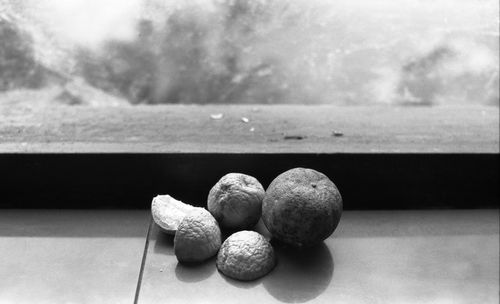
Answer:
(143, 262)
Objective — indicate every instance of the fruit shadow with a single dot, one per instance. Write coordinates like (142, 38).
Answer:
(195, 272)
(185, 272)
(300, 275)
(241, 284)
(163, 242)
(262, 229)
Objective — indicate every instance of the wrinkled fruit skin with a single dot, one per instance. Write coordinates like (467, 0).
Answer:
(236, 201)
(198, 237)
(302, 207)
(246, 256)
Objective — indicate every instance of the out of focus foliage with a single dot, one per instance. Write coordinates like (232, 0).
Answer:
(261, 51)
(195, 57)
(18, 67)
(441, 76)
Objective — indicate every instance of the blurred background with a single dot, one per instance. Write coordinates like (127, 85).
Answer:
(343, 52)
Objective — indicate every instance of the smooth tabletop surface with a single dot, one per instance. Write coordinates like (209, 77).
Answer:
(372, 257)
(62, 256)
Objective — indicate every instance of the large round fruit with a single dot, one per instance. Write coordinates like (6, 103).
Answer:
(302, 207)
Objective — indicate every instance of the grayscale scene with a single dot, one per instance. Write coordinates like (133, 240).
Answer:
(249, 151)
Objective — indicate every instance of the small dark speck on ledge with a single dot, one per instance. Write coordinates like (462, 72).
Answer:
(292, 137)
(337, 134)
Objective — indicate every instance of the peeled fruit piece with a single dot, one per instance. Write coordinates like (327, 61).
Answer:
(236, 201)
(302, 207)
(168, 212)
(246, 256)
(198, 237)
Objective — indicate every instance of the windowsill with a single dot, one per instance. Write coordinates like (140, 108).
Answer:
(270, 129)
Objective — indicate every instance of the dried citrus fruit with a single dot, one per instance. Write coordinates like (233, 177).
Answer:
(236, 201)
(198, 237)
(302, 207)
(246, 255)
(168, 212)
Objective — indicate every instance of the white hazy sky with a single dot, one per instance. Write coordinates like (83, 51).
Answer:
(91, 21)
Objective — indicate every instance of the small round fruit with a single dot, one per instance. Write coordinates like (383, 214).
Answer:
(197, 238)
(302, 207)
(246, 256)
(236, 201)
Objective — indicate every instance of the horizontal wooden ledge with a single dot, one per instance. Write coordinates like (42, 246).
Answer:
(249, 129)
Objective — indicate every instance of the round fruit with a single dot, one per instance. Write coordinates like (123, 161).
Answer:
(302, 207)
(198, 237)
(246, 255)
(236, 201)
(168, 212)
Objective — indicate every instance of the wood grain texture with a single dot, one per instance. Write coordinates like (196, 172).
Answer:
(270, 129)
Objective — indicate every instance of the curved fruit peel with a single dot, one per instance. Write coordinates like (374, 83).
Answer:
(168, 212)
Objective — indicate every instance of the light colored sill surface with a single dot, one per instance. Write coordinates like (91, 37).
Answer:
(372, 257)
(269, 129)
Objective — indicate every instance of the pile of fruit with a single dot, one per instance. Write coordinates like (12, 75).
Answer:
(300, 208)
